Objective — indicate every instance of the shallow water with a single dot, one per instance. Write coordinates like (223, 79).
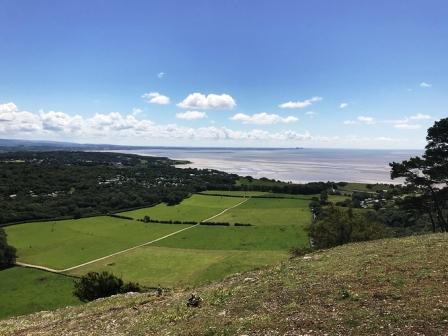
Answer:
(296, 165)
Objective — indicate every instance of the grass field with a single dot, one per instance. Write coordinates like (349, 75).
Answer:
(234, 193)
(195, 208)
(299, 196)
(62, 244)
(269, 211)
(175, 267)
(274, 238)
(25, 290)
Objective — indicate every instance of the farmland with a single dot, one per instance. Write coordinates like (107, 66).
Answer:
(190, 254)
(63, 244)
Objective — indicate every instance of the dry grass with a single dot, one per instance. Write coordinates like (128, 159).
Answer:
(386, 287)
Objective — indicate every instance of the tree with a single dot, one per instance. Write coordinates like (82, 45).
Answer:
(95, 285)
(7, 252)
(428, 175)
(339, 226)
(324, 197)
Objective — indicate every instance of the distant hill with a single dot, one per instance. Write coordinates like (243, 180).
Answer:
(385, 287)
(13, 144)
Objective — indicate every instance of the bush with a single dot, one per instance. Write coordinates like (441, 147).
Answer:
(7, 252)
(300, 251)
(95, 285)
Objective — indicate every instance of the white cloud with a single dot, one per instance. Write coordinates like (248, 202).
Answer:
(420, 116)
(156, 98)
(198, 100)
(300, 104)
(191, 115)
(425, 85)
(59, 121)
(161, 74)
(263, 118)
(361, 120)
(343, 105)
(112, 126)
(311, 114)
(406, 126)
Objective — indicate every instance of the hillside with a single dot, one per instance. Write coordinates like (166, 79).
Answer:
(386, 287)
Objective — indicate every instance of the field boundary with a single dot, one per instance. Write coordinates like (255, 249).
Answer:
(62, 271)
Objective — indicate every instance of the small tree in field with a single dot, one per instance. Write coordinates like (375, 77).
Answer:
(95, 285)
(428, 175)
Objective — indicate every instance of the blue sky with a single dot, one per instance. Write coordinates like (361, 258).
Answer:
(361, 74)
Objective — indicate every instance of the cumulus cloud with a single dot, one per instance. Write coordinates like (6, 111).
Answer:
(198, 100)
(16, 123)
(425, 85)
(343, 105)
(263, 118)
(191, 115)
(156, 98)
(300, 104)
(161, 74)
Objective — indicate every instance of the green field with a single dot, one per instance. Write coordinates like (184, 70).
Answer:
(174, 267)
(234, 193)
(63, 244)
(269, 211)
(195, 208)
(30, 290)
(298, 196)
(253, 238)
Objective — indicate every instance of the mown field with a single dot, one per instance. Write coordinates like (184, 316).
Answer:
(195, 256)
(25, 290)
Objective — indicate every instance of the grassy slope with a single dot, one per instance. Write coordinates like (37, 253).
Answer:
(31, 290)
(68, 243)
(195, 208)
(387, 287)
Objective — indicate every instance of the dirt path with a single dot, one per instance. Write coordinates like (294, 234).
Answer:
(128, 249)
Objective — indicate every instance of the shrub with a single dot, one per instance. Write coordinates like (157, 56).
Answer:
(7, 252)
(339, 226)
(95, 285)
(300, 251)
